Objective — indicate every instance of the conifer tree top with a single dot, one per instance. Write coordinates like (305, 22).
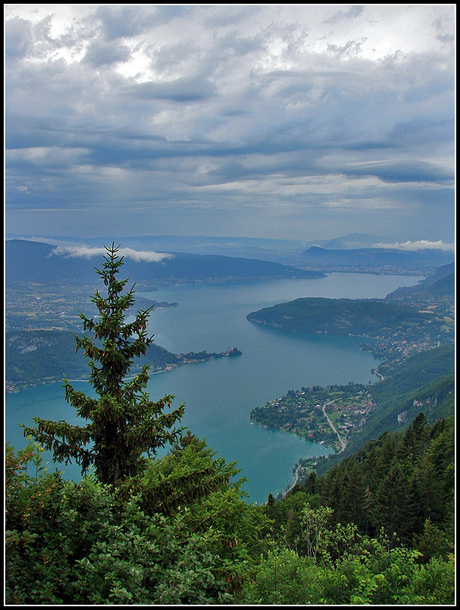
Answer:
(123, 423)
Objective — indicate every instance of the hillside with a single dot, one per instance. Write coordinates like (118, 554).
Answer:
(423, 383)
(28, 261)
(398, 482)
(339, 316)
(35, 357)
(43, 356)
(440, 273)
(439, 284)
(444, 287)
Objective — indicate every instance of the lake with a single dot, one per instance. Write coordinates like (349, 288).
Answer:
(219, 394)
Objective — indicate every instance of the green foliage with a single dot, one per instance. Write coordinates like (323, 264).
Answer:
(370, 572)
(398, 482)
(82, 546)
(124, 422)
(313, 526)
(186, 474)
(147, 560)
(215, 507)
(41, 356)
(339, 316)
(83, 543)
(86, 543)
(282, 578)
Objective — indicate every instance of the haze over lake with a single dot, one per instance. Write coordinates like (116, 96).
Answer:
(220, 394)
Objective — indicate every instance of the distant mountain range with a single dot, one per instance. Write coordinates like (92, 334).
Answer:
(352, 241)
(201, 258)
(30, 261)
(366, 258)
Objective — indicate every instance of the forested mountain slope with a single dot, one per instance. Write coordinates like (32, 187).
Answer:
(34, 357)
(423, 383)
(413, 373)
(402, 482)
(339, 316)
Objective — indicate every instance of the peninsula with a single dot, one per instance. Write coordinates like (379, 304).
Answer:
(36, 357)
(364, 317)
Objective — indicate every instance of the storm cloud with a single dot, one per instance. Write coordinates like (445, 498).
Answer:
(287, 121)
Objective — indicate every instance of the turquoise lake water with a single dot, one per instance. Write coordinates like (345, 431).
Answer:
(219, 394)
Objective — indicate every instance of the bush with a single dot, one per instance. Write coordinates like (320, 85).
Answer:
(370, 573)
(86, 543)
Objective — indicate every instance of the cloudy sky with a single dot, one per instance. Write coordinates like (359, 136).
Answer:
(277, 121)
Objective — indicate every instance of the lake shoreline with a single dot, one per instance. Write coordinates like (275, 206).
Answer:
(219, 397)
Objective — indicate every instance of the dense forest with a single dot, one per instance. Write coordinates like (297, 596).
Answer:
(376, 528)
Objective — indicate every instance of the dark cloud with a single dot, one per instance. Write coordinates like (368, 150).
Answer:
(180, 90)
(403, 171)
(352, 13)
(423, 132)
(123, 21)
(18, 37)
(101, 53)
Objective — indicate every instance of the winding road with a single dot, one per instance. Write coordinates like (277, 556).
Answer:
(341, 441)
(343, 444)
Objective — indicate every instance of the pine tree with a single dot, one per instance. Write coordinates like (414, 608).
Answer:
(124, 423)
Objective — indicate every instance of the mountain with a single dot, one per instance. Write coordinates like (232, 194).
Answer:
(439, 284)
(439, 274)
(276, 250)
(35, 357)
(339, 316)
(42, 356)
(422, 383)
(385, 259)
(354, 240)
(444, 286)
(29, 261)
(442, 281)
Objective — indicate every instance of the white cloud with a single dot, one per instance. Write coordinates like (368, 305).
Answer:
(422, 244)
(146, 256)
